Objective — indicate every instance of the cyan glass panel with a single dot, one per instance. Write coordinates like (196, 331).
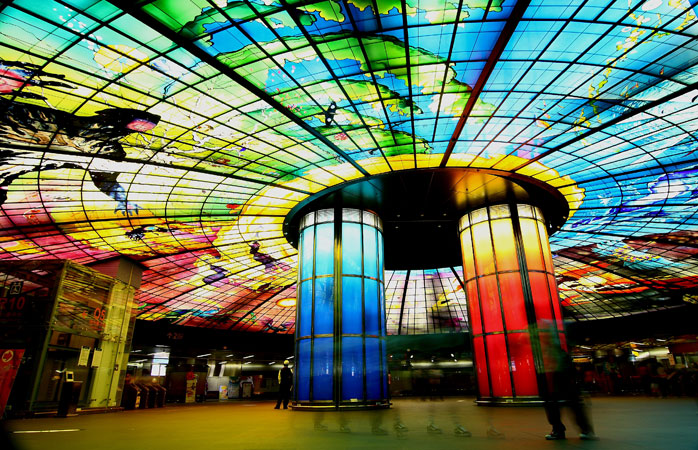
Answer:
(380, 256)
(351, 305)
(302, 370)
(382, 307)
(351, 248)
(373, 372)
(372, 314)
(324, 249)
(307, 252)
(322, 368)
(370, 252)
(305, 309)
(352, 368)
(324, 306)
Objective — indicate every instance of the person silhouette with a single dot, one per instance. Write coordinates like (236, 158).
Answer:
(285, 385)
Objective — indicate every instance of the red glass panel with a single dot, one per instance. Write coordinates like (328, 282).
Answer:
(541, 300)
(529, 234)
(513, 301)
(556, 302)
(467, 250)
(489, 302)
(482, 240)
(481, 366)
(545, 245)
(499, 366)
(523, 369)
(563, 341)
(504, 245)
(473, 307)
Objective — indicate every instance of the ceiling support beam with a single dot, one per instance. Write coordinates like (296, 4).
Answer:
(508, 30)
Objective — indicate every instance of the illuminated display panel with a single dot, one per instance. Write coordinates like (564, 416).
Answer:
(180, 134)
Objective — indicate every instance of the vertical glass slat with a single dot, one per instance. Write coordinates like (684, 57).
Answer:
(370, 252)
(373, 373)
(352, 369)
(305, 308)
(324, 306)
(324, 249)
(303, 370)
(351, 305)
(371, 313)
(351, 248)
(323, 369)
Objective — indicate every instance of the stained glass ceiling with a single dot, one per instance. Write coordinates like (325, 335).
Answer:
(181, 133)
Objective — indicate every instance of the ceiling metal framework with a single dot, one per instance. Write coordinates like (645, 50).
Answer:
(183, 135)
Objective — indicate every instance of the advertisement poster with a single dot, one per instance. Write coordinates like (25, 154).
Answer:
(96, 358)
(10, 359)
(191, 392)
(84, 356)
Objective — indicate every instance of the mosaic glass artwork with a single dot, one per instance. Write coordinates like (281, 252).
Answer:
(181, 133)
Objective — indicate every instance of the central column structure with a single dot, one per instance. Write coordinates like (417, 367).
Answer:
(513, 304)
(340, 320)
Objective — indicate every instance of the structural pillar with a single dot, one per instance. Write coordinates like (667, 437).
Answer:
(340, 321)
(513, 304)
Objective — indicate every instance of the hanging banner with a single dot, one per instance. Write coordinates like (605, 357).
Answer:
(10, 359)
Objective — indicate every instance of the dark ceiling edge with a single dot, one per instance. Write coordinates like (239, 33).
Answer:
(292, 219)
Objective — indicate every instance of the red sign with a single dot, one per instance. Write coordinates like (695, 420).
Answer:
(10, 360)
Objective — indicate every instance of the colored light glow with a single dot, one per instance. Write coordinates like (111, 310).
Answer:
(286, 302)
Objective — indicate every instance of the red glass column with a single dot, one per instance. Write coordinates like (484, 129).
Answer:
(514, 308)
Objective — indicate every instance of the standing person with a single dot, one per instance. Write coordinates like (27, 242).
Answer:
(563, 387)
(285, 385)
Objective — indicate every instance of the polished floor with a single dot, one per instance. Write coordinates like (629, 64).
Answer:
(621, 423)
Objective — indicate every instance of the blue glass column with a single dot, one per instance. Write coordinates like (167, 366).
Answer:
(340, 320)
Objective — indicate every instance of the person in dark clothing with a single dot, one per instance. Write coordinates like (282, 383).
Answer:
(562, 387)
(285, 385)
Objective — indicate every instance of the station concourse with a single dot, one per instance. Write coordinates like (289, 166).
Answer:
(449, 219)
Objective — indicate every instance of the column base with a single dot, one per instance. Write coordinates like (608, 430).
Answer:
(509, 401)
(328, 406)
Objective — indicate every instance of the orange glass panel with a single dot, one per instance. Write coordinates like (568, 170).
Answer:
(489, 302)
(545, 245)
(467, 250)
(529, 234)
(481, 366)
(482, 240)
(541, 300)
(513, 301)
(473, 307)
(499, 366)
(504, 245)
(523, 369)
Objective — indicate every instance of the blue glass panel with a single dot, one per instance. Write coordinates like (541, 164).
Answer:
(352, 368)
(351, 305)
(324, 249)
(373, 372)
(307, 252)
(305, 309)
(380, 256)
(371, 310)
(370, 252)
(351, 248)
(322, 369)
(382, 307)
(324, 305)
(303, 370)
